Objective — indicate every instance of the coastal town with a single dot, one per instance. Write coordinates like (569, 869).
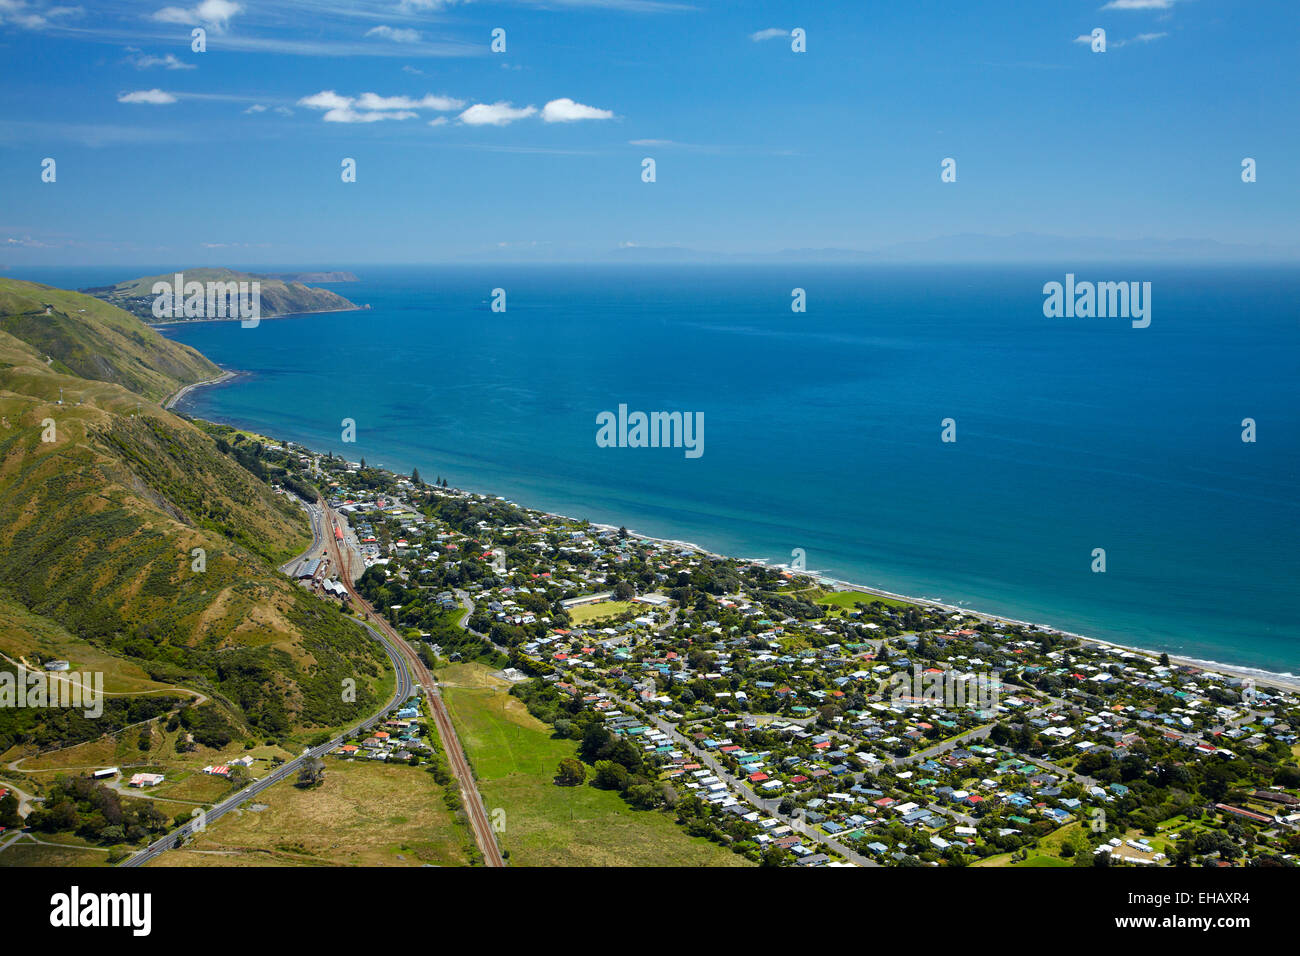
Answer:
(798, 720)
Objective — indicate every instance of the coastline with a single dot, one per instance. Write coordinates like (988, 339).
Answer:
(1280, 680)
(263, 318)
(180, 393)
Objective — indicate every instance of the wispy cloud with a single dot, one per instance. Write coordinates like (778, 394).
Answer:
(771, 33)
(144, 61)
(154, 97)
(215, 15)
(372, 108)
(1139, 5)
(707, 147)
(89, 134)
(402, 35)
(1115, 44)
(373, 101)
(33, 16)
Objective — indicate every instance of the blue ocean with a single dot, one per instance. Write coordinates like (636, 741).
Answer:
(822, 429)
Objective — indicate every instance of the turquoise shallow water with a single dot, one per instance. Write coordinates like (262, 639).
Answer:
(822, 430)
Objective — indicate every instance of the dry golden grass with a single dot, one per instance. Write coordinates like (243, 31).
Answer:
(364, 814)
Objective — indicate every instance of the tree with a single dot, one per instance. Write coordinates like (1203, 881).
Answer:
(571, 773)
(415, 477)
(9, 811)
(595, 743)
(312, 773)
(645, 796)
(611, 776)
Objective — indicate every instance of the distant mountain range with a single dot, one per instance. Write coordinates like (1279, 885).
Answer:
(978, 248)
(310, 276)
(281, 293)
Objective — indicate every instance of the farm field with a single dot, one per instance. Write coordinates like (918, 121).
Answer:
(515, 758)
(365, 813)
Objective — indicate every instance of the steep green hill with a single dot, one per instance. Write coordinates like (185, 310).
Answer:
(278, 297)
(103, 499)
(90, 339)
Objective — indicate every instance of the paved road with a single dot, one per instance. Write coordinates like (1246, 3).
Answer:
(315, 514)
(25, 800)
(290, 768)
(182, 392)
(480, 825)
(769, 805)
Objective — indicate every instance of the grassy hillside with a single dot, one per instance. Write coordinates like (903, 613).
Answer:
(103, 500)
(91, 339)
(278, 297)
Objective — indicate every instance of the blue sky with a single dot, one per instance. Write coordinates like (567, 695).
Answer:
(233, 155)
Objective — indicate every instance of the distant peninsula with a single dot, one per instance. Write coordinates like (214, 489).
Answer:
(281, 293)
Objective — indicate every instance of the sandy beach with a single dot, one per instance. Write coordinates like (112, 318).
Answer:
(181, 393)
(1262, 678)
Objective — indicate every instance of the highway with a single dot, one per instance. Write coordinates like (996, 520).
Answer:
(317, 517)
(290, 768)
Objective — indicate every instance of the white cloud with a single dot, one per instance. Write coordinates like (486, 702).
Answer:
(155, 97)
(22, 14)
(1139, 5)
(771, 33)
(1116, 44)
(256, 108)
(373, 101)
(440, 121)
(394, 34)
(344, 114)
(564, 110)
(495, 114)
(213, 14)
(326, 100)
(143, 61)
(371, 107)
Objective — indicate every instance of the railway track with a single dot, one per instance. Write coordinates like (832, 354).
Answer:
(480, 824)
